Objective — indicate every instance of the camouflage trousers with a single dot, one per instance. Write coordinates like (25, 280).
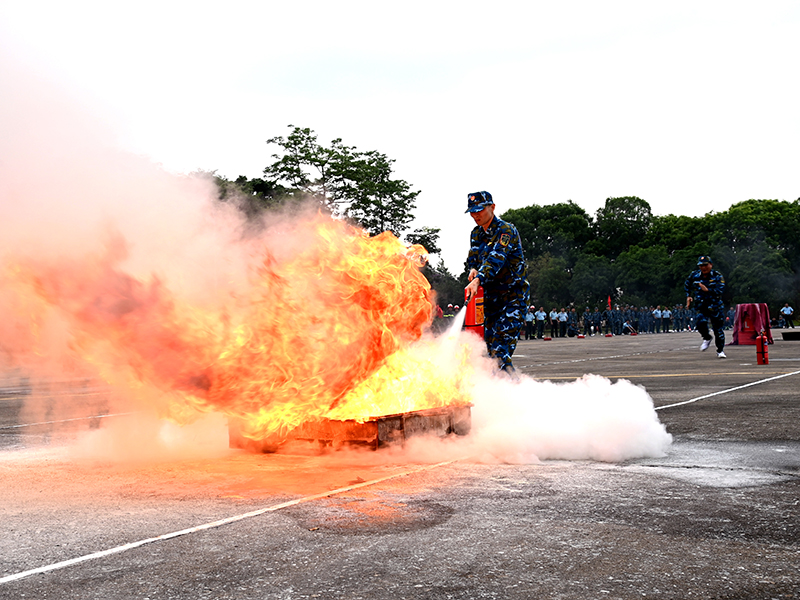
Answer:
(501, 329)
(717, 323)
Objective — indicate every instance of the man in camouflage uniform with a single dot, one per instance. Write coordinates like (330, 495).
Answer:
(572, 323)
(597, 321)
(496, 262)
(707, 286)
(677, 317)
(587, 322)
(607, 320)
(616, 320)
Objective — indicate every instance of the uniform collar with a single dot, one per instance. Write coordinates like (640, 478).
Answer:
(492, 226)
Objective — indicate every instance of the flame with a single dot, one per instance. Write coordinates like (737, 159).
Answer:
(331, 326)
(427, 374)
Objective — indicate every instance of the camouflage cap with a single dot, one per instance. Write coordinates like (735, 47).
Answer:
(704, 260)
(477, 201)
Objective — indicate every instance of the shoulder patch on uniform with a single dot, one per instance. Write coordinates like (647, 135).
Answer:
(505, 238)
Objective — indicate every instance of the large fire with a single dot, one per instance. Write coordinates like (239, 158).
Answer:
(332, 328)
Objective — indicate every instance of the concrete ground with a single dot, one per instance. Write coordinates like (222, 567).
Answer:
(715, 519)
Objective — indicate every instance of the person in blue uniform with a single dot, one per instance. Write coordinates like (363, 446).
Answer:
(607, 319)
(597, 321)
(587, 322)
(496, 262)
(705, 286)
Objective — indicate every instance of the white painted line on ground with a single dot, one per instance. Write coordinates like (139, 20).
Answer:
(740, 387)
(67, 420)
(212, 525)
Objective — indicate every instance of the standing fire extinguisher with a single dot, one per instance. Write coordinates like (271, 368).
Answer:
(473, 320)
(762, 349)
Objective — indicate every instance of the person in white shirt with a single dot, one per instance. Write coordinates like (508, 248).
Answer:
(530, 323)
(666, 318)
(562, 323)
(787, 312)
(657, 318)
(541, 316)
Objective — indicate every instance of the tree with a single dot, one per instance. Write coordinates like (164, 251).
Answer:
(680, 264)
(448, 289)
(676, 233)
(550, 279)
(350, 183)
(745, 223)
(757, 242)
(641, 276)
(376, 201)
(557, 229)
(621, 223)
(427, 237)
(306, 166)
(758, 273)
(249, 196)
(265, 191)
(593, 280)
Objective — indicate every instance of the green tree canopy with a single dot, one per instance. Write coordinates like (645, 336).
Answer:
(593, 280)
(641, 259)
(350, 183)
(620, 224)
(556, 229)
(427, 237)
(308, 167)
(641, 276)
(676, 232)
(376, 201)
(448, 289)
(550, 279)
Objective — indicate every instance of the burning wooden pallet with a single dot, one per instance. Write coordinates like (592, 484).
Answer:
(375, 433)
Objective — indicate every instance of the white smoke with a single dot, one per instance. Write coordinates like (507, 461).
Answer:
(588, 419)
(67, 189)
(143, 437)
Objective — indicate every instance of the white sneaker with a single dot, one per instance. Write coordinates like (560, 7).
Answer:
(704, 346)
(721, 355)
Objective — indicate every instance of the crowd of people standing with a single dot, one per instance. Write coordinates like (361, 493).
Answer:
(619, 320)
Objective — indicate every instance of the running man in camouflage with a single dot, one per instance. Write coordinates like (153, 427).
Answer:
(706, 286)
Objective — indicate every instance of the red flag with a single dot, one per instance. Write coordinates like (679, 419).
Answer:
(609, 303)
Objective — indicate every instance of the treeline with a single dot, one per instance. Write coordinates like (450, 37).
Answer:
(574, 259)
(627, 254)
(639, 259)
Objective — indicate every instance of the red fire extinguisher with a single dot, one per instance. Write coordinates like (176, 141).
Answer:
(762, 349)
(473, 320)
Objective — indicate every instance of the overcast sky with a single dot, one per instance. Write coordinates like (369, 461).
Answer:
(691, 105)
